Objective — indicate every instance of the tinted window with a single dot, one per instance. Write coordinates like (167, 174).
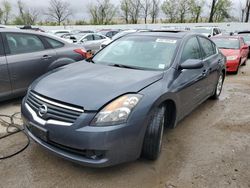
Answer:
(207, 46)
(98, 37)
(145, 52)
(191, 50)
(23, 43)
(54, 43)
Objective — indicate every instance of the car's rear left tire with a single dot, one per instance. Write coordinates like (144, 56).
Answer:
(219, 86)
(154, 133)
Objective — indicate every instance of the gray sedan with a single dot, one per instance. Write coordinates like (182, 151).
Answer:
(26, 55)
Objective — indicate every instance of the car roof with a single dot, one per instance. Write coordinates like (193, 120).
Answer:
(174, 34)
(32, 32)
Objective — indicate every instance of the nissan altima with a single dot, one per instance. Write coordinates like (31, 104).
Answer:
(114, 108)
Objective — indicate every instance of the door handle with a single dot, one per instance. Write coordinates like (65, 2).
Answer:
(46, 57)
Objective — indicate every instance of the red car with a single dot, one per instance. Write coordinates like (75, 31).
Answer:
(235, 50)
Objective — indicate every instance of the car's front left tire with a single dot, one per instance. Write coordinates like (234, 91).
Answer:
(154, 133)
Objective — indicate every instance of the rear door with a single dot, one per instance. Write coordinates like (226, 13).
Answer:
(5, 84)
(88, 42)
(27, 57)
(211, 57)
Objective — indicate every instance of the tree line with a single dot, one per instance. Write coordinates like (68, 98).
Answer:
(127, 11)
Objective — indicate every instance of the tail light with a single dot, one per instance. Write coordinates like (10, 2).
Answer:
(82, 52)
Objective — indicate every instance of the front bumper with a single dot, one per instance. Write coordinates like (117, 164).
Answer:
(232, 66)
(87, 145)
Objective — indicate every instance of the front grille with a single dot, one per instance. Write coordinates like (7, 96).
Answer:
(55, 110)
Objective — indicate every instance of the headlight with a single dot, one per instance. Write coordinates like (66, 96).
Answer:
(231, 58)
(117, 111)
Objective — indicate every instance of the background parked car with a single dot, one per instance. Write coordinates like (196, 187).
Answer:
(92, 41)
(234, 48)
(26, 55)
(109, 33)
(246, 36)
(121, 34)
(207, 31)
(59, 33)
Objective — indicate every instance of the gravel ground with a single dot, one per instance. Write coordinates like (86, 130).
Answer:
(209, 148)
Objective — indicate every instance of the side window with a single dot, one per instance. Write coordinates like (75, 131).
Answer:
(208, 47)
(191, 50)
(23, 43)
(98, 37)
(54, 43)
(1, 47)
(89, 37)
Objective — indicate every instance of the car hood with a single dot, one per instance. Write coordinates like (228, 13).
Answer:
(92, 86)
(230, 52)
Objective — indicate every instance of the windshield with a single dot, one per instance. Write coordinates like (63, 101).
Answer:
(202, 30)
(142, 52)
(227, 43)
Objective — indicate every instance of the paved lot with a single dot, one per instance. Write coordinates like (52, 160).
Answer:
(209, 148)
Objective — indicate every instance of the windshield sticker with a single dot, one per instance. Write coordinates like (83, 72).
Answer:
(166, 41)
(161, 66)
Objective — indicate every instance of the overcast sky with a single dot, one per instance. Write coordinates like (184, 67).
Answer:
(80, 11)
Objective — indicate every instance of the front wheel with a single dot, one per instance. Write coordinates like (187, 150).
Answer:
(219, 86)
(154, 133)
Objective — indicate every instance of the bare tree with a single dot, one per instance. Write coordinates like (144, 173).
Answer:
(247, 10)
(212, 11)
(195, 9)
(125, 6)
(103, 12)
(183, 9)
(134, 11)
(59, 11)
(155, 9)
(146, 6)
(6, 12)
(169, 8)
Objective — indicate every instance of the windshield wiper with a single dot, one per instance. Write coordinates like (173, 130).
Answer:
(123, 66)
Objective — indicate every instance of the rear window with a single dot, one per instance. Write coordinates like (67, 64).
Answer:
(54, 43)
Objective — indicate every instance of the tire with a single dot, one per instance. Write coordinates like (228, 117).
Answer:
(218, 88)
(154, 133)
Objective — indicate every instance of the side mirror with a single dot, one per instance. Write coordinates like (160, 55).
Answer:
(245, 47)
(191, 64)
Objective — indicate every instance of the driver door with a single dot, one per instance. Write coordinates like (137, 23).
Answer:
(192, 83)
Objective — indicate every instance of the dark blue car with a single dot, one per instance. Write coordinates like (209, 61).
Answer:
(114, 107)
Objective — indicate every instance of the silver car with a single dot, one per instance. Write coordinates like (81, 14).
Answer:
(26, 55)
(92, 41)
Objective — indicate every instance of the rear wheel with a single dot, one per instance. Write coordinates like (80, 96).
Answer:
(154, 133)
(219, 86)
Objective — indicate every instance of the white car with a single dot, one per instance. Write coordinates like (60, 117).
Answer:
(91, 41)
(207, 31)
(59, 33)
